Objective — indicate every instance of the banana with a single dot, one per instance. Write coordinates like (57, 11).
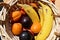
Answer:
(46, 19)
(30, 12)
(48, 22)
(41, 16)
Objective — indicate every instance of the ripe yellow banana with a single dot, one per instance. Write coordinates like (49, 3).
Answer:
(40, 11)
(30, 12)
(48, 22)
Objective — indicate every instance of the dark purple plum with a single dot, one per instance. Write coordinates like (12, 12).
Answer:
(25, 21)
(26, 35)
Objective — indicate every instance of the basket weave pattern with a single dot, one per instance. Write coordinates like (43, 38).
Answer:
(56, 22)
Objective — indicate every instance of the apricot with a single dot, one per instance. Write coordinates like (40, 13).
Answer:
(16, 15)
(36, 27)
(16, 28)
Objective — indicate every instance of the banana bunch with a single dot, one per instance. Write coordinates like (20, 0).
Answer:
(48, 22)
(46, 19)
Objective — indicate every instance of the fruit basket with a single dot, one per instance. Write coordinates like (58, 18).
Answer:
(18, 15)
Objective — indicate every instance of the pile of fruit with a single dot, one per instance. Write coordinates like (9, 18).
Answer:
(31, 21)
